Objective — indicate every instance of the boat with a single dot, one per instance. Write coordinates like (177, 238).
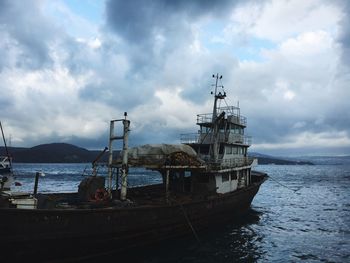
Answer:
(207, 180)
(6, 174)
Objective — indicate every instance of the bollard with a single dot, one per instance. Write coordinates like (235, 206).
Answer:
(37, 175)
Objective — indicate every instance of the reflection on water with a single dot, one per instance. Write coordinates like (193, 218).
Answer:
(236, 241)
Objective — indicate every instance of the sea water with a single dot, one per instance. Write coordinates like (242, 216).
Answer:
(300, 214)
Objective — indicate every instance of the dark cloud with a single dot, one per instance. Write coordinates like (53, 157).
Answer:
(154, 29)
(138, 21)
(344, 36)
(29, 32)
(122, 95)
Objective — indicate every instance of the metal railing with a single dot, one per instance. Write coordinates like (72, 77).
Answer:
(188, 138)
(230, 163)
(238, 138)
(206, 138)
(232, 118)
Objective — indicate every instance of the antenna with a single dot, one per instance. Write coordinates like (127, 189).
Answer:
(217, 95)
(217, 78)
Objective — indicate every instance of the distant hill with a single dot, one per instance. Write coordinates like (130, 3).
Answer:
(266, 159)
(328, 160)
(52, 153)
(68, 153)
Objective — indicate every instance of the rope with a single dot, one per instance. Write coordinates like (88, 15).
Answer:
(189, 223)
(294, 190)
(226, 103)
(84, 171)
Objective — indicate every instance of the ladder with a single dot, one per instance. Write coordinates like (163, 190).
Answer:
(124, 167)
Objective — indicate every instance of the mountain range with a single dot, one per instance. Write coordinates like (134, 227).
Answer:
(68, 153)
(52, 153)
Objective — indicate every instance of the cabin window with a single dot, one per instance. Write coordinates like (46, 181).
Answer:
(187, 174)
(225, 177)
(221, 149)
(228, 150)
(234, 176)
(235, 150)
(239, 150)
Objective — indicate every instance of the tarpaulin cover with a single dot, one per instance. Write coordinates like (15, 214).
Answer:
(159, 154)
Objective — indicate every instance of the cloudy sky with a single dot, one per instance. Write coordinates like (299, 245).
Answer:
(67, 67)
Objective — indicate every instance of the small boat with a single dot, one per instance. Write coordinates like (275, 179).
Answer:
(6, 175)
(206, 180)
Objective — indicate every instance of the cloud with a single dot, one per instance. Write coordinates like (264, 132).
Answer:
(344, 35)
(42, 72)
(308, 142)
(277, 20)
(63, 76)
(299, 81)
(26, 33)
(153, 30)
(139, 22)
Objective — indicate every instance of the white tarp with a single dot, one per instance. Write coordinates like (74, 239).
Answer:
(159, 154)
(160, 149)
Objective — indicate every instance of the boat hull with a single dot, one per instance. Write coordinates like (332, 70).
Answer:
(63, 233)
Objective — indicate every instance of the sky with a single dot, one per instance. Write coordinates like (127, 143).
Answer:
(67, 67)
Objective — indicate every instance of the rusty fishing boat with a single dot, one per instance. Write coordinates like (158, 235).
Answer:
(207, 179)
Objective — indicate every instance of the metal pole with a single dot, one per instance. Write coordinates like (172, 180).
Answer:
(110, 159)
(7, 151)
(94, 162)
(37, 174)
(124, 174)
(167, 185)
(117, 180)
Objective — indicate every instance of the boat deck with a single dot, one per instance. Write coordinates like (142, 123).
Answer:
(141, 196)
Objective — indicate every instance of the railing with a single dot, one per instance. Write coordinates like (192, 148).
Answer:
(204, 118)
(206, 138)
(243, 139)
(189, 138)
(232, 113)
(241, 120)
(237, 161)
(230, 163)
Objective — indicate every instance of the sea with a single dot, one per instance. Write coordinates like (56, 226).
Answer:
(300, 214)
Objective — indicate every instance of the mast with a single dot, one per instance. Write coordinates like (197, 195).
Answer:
(217, 95)
(215, 118)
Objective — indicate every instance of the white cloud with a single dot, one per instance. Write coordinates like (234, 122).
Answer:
(277, 20)
(168, 109)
